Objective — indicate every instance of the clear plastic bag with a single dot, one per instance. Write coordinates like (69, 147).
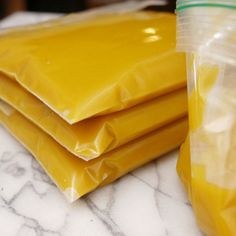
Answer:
(76, 177)
(91, 138)
(95, 64)
(207, 165)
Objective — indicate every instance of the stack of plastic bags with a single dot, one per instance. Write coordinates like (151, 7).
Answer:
(93, 97)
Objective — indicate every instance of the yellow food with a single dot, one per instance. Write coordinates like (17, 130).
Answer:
(207, 164)
(94, 66)
(76, 177)
(90, 138)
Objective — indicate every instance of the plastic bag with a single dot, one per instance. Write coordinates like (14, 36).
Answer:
(91, 138)
(97, 64)
(76, 177)
(207, 165)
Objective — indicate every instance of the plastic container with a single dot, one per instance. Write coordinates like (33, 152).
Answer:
(206, 31)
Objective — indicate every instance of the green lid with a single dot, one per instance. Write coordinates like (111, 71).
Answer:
(184, 4)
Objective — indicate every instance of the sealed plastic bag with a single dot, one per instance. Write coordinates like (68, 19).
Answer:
(207, 165)
(90, 138)
(95, 65)
(76, 177)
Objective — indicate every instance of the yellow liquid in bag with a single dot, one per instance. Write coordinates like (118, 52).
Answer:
(91, 138)
(76, 177)
(207, 164)
(98, 65)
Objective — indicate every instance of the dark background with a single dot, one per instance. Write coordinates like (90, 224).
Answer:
(62, 6)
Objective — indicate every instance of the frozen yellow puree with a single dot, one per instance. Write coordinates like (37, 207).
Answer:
(98, 65)
(208, 168)
(76, 177)
(92, 137)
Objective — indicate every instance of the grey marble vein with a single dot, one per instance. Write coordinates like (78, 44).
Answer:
(104, 216)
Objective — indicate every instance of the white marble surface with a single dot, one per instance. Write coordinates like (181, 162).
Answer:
(147, 202)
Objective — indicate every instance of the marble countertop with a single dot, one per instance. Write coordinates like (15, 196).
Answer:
(149, 201)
